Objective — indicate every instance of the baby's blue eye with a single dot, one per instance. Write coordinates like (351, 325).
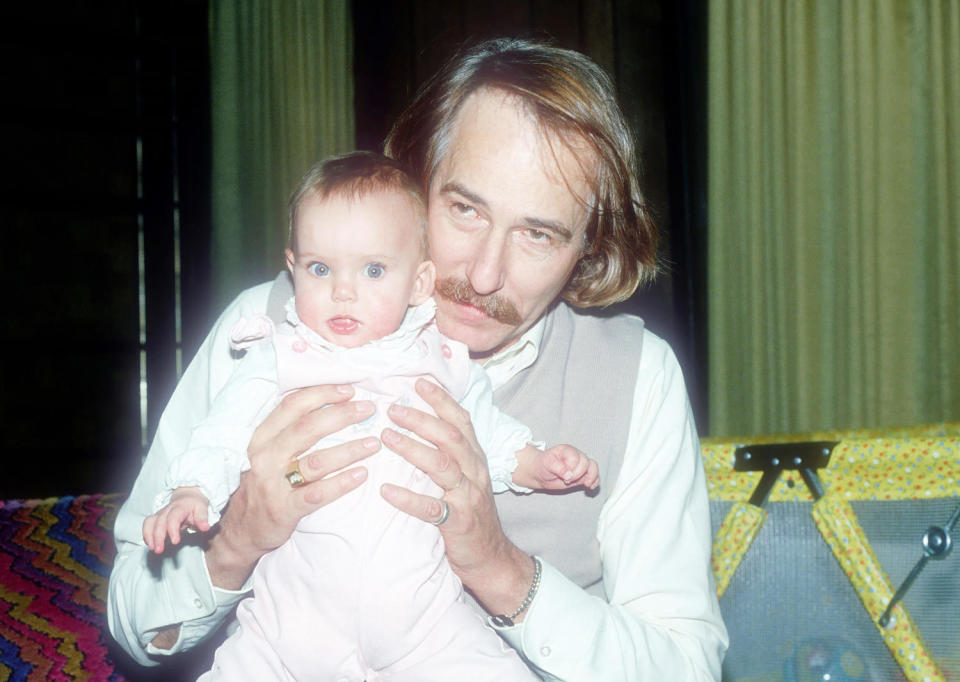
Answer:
(374, 271)
(318, 269)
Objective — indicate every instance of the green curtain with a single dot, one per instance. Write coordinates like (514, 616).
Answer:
(282, 98)
(834, 214)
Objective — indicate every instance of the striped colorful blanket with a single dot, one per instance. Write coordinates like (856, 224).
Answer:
(55, 559)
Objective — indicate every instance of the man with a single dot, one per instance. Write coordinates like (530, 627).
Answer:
(532, 197)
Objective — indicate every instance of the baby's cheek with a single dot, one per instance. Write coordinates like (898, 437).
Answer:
(387, 320)
(311, 315)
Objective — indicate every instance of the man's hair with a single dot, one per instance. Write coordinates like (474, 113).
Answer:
(354, 176)
(573, 102)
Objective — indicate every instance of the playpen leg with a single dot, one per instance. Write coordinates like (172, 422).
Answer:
(842, 532)
(734, 538)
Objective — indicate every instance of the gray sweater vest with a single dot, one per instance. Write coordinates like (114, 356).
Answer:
(579, 391)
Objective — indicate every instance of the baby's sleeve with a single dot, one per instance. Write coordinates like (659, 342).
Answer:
(500, 435)
(216, 454)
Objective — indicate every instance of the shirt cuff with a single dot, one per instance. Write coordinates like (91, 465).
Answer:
(200, 607)
(543, 637)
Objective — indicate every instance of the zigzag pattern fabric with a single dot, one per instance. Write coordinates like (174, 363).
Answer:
(55, 560)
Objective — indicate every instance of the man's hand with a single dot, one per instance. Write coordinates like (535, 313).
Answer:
(497, 572)
(265, 509)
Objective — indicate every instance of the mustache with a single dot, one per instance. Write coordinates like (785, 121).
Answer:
(498, 307)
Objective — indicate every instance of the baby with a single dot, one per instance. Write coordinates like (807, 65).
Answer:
(360, 589)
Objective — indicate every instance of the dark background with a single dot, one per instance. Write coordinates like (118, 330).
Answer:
(106, 203)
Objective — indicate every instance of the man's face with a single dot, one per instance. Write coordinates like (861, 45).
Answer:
(507, 216)
(358, 265)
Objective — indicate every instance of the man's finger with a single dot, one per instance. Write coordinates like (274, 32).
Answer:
(327, 490)
(313, 425)
(447, 409)
(437, 464)
(317, 465)
(430, 428)
(423, 507)
(295, 405)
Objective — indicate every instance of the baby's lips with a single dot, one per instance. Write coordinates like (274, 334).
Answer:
(343, 324)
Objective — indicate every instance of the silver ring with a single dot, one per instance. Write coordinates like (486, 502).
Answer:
(444, 516)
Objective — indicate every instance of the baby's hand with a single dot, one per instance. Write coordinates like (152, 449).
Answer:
(563, 466)
(187, 509)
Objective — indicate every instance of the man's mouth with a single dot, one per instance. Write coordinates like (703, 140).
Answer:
(494, 306)
(343, 324)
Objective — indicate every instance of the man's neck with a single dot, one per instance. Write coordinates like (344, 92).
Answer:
(483, 356)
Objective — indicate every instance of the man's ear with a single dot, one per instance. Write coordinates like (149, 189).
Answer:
(290, 260)
(423, 284)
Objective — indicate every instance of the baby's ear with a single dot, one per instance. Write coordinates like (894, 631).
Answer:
(423, 284)
(290, 260)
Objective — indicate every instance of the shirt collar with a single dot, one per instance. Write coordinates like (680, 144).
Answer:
(503, 366)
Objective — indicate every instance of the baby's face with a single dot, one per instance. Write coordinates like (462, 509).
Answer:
(358, 265)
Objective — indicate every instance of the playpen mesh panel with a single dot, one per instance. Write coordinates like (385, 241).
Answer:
(793, 615)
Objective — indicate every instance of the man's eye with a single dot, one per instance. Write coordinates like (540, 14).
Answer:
(374, 271)
(538, 236)
(318, 269)
(464, 210)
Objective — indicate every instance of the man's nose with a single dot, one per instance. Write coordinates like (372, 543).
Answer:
(344, 290)
(487, 271)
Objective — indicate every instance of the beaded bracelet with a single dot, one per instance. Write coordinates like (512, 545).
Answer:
(503, 621)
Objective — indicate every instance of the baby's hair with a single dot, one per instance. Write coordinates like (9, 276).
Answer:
(354, 176)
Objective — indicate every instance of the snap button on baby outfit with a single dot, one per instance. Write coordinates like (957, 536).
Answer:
(198, 603)
(545, 651)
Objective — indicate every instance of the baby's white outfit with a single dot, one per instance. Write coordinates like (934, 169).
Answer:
(360, 591)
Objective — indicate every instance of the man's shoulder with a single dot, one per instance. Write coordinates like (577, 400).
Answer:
(618, 330)
(605, 324)
(250, 302)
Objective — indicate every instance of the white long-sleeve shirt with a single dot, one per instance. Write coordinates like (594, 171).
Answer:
(567, 633)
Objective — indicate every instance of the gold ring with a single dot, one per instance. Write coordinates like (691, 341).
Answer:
(293, 475)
